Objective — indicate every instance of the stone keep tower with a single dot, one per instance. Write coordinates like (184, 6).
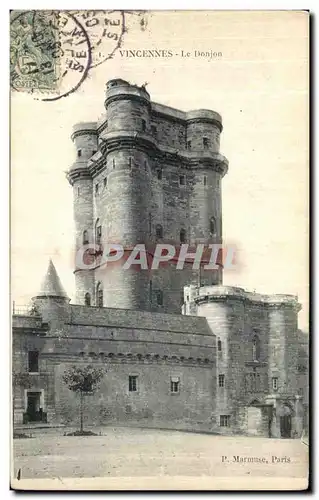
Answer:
(145, 173)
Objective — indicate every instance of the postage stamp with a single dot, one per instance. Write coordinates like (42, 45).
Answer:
(51, 52)
(34, 51)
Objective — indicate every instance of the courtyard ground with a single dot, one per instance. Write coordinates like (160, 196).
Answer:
(127, 452)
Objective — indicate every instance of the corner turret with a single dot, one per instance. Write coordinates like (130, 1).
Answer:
(52, 301)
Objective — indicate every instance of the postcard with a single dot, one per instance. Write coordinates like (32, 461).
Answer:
(159, 250)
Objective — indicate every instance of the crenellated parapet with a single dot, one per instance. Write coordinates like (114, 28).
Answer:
(220, 293)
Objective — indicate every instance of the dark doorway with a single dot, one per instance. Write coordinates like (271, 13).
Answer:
(34, 411)
(285, 426)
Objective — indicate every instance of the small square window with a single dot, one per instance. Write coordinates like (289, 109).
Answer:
(275, 383)
(182, 180)
(175, 382)
(79, 153)
(132, 383)
(221, 380)
(224, 420)
(205, 142)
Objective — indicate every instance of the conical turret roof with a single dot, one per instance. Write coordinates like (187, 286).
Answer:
(51, 285)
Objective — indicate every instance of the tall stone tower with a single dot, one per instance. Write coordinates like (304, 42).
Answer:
(145, 173)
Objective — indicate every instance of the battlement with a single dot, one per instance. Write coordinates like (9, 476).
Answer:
(83, 128)
(121, 88)
(211, 293)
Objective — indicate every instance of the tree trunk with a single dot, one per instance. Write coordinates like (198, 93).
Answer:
(81, 411)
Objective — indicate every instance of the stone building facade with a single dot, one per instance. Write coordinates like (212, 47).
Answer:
(230, 363)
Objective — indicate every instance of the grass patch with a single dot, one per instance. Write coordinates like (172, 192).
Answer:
(81, 433)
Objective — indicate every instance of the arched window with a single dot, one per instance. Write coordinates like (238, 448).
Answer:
(87, 299)
(99, 295)
(159, 231)
(255, 348)
(85, 237)
(182, 236)
(98, 232)
(212, 225)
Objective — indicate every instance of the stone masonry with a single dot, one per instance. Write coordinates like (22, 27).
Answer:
(202, 356)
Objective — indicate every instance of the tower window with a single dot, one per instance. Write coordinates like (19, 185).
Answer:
(182, 180)
(113, 163)
(159, 297)
(205, 142)
(99, 295)
(182, 236)
(98, 232)
(96, 188)
(221, 380)
(275, 383)
(212, 225)
(79, 153)
(151, 292)
(105, 181)
(85, 237)
(219, 345)
(132, 383)
(143, 122)
(98, 235)
(145, 165)
(87, 299)
(224, 421)
(159, 231)
(130, 162)
(33, 361)
(175, 382)
(78, 191)
(189, 144)
(255, 348)
(154, 130)
(205, 180)
(159, 174)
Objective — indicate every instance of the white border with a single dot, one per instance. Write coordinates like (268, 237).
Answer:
(311, 5)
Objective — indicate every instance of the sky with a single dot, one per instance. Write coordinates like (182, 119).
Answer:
(260, 87)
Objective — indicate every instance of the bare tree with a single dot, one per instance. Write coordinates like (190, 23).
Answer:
(83, 380)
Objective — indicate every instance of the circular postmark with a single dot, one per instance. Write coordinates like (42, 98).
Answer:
(105, 29)
(50, 53)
